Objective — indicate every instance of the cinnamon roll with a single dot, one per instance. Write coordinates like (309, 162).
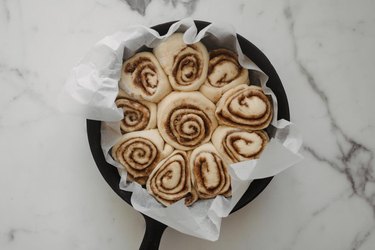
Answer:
(143, 78)
(209, 172)
(185, 64)
(186, 119)
(224, 73)
(244, 107)
(170, 180)
(138, 115)
(139, 152)
(236, 145)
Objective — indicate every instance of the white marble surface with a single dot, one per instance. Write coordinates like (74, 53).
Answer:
(53, 197)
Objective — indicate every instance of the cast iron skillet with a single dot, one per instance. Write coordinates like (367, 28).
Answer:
(155, 229)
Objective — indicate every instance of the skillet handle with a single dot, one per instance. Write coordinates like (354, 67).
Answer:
(153, 233)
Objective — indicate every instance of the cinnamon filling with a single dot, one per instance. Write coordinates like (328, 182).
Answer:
(171, 181)
(144, 74)
(187, 65)
(236, 146)
(211, 175)
(248, 108)
(223, 59)
(188, 125)
(253, 102)
(136, 115)
(138, 155)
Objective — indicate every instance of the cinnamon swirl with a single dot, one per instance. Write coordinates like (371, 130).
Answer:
(244, 107)
(224, 73)
(139, 152)
(186, 119)
(209, 172)
(236, 145)
(185, 64)
(143, 78)
(138, 115)
(170, 180)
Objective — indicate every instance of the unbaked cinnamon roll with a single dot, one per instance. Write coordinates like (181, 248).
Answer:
(138, 115)
(209, 172)
(170, 180)
(244, 107)
(224, 72)
(236, 145)
(143, 78)
(186, 119)
(185, 64)
(139, 152)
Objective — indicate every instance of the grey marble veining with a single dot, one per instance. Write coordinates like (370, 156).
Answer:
(139, 5)
(14, 233)
(190, 5)
(6, 10)
(355, 161)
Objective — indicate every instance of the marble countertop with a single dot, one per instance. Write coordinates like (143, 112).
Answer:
(52, 195)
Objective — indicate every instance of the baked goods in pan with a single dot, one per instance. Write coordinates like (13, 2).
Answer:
(188, 115)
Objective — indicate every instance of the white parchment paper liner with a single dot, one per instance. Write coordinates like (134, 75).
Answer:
(90, 92)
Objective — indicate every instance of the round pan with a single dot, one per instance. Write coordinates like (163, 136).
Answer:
(155, 229)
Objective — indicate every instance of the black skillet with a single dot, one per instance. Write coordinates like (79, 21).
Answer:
(155, 229)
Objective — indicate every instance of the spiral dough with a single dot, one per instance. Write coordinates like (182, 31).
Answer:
(170, 180)
(224, 73)
(244, 107)
(138, 115)
(185, 64)
(186, 119)
(140, 152)
(236, 145)
(209, 172)
(143, 78)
